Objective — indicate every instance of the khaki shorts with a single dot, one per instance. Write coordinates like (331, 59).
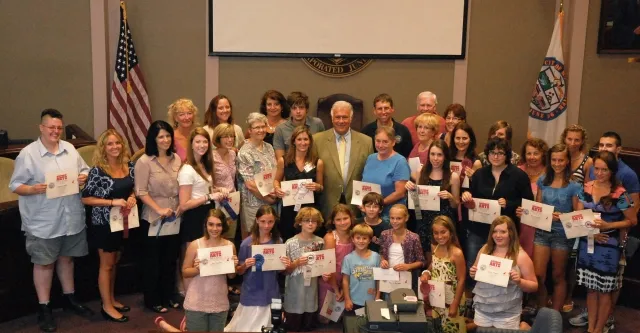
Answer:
(46, 251)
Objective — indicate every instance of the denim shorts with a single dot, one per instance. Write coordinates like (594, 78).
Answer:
(555, 239)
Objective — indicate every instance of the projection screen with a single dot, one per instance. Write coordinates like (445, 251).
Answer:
(346, 28)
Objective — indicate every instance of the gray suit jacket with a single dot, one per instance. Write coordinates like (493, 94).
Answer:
(325, 146)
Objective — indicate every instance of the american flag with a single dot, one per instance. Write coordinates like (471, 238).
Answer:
(129, 108)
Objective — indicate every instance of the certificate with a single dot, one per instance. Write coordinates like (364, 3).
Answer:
(271, 255)
(428, 196)
(537, 215)
(404, 281)
(61, 183)
(331, 308)
(493, 270)
(457, 167)
(485, 212)
(320, 262)
(166, 226)
(216, 260)
(578, 223)
(385, 274)
(415, 165)
(234, 202)
(437, 294)
(264, 181)
(116, 220)
(360, 189)
(295, 192)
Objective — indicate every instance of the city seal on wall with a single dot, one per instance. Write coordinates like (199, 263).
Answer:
(337, 67)
(549, 98)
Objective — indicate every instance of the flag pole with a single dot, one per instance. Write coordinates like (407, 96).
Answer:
(126, 42)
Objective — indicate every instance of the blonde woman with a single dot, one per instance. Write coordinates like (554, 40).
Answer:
(110, 184)
(427, 130)
(183, 116)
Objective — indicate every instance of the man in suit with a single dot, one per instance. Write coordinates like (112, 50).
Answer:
(344, 153)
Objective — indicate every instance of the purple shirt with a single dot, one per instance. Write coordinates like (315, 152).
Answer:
(250, 294)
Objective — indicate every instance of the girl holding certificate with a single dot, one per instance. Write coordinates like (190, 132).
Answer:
(338, 237)
(301, 295)
(437, 173)
(463, 151)
(110, 184)
(400, 248)
(300, 162)
(448, 266)
(207, 303)
(598, 271)
(497, 306)
(554, 188)
(196, 179)
(500, 181)
(258, 288)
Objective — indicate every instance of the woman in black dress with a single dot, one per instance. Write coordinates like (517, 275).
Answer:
(298, 163)
(110, 184)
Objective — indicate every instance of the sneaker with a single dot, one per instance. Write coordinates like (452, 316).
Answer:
(582, 319)
(45, 319)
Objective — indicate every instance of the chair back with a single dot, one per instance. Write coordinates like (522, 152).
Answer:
(137, 155)
(86, 153)
(324, 110)
(6, 170)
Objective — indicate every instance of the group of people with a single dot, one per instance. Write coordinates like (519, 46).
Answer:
(188, 177)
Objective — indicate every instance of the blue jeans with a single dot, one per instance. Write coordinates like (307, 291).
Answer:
(472, 246)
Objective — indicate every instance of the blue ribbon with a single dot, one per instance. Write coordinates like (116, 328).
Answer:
(259, 262)
(230, 211)
(167, 219)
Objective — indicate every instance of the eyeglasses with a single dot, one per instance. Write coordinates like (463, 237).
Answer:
(258, 127)
(53, 128)
(497, 153)
(453, 118)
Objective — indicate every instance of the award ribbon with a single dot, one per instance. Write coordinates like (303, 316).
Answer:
(259, 262)
(416, 203)
(168, 219)
(232, 214)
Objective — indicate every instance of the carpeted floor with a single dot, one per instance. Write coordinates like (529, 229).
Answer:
(141, 320)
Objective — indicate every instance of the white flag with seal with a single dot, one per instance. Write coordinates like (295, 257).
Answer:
(548, 106)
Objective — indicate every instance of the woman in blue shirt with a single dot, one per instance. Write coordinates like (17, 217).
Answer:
(555, 188)
(388, 169)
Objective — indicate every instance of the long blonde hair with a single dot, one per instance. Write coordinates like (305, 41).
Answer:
(311, 156)
(100, 154)
(514, 243)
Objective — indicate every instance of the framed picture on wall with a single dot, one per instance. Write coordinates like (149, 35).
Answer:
(619, 29)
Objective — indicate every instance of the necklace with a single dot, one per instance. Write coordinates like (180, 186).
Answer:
(534, 174)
